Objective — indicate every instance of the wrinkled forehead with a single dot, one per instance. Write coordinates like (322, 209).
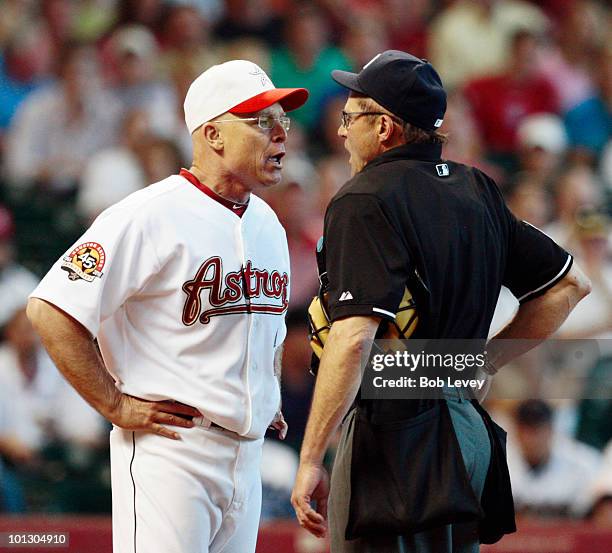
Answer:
(354, 101)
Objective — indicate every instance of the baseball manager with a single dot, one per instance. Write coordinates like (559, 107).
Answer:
(185, 285)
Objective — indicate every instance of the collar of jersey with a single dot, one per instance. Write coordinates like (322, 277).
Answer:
(235, 207)
(424, 152)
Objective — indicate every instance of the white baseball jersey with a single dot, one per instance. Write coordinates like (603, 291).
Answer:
(187, 299)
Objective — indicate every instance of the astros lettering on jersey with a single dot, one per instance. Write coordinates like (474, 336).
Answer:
(245, 284)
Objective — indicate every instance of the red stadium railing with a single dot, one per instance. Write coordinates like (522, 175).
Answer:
(93, 535)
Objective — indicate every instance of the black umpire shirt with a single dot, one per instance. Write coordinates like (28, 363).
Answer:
(442, 229)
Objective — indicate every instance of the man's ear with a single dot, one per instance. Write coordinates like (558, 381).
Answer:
(212, 136)
(385, 128)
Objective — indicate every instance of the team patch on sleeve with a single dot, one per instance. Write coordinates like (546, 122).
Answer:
(85, 262)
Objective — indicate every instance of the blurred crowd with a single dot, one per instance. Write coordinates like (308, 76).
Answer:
(91, 98)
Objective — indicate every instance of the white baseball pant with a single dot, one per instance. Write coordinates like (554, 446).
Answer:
(199, 494)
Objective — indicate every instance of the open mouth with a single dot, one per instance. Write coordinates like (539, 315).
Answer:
(277, 160)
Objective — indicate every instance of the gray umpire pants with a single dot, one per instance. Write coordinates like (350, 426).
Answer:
(456, 538)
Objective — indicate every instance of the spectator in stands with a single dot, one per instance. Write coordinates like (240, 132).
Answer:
(58, 432)
(58, 128)
(591, 239)
(333, 172)
(589, 124)
(58, 16)
(23, 67)
(500, 102)
(542, 143)
(567, 59)
(551, 473)
(111, 174)
(28, 379)
(15, 16)
(92, 19)
(61, 434)
(160, 157)
(471, 38)
(40, 30)
(253, 19)
(600, 513)
(182, 74)
(298, 144)
(309, 58)
(38, 397)
(332, 167)
(364, 37)
(465, 144)
(114, 173)
(575, 190)
(248, 48)
(327, 142)
(12, 453)
(186, 40)
(407, 24)
(16, 282)
(44, 416)
(137, 86)
(148, 13)
(528, 199)
(49, 409)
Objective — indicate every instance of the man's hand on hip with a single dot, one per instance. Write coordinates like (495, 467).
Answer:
(311, 484)
(132, 413)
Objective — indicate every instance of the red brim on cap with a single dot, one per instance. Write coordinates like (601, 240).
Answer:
(289, 99)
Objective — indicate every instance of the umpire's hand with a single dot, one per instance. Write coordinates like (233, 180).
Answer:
(311, 484)
(132, 413)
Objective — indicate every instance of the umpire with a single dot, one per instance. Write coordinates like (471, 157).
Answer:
(408, 218)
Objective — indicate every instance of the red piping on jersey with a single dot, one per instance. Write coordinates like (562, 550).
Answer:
(235, 208)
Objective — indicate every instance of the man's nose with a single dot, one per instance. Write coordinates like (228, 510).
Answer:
(279, 134)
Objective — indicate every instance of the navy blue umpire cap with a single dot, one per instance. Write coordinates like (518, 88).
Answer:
(407, 86)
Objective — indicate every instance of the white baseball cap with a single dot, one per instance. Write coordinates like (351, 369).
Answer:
(543, 130)
(236, 86)
(136, 40)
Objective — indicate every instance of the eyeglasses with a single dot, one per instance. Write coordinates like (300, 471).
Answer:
(347, 117)
(265, 122)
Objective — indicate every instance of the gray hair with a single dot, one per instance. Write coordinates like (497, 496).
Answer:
(412, 134)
